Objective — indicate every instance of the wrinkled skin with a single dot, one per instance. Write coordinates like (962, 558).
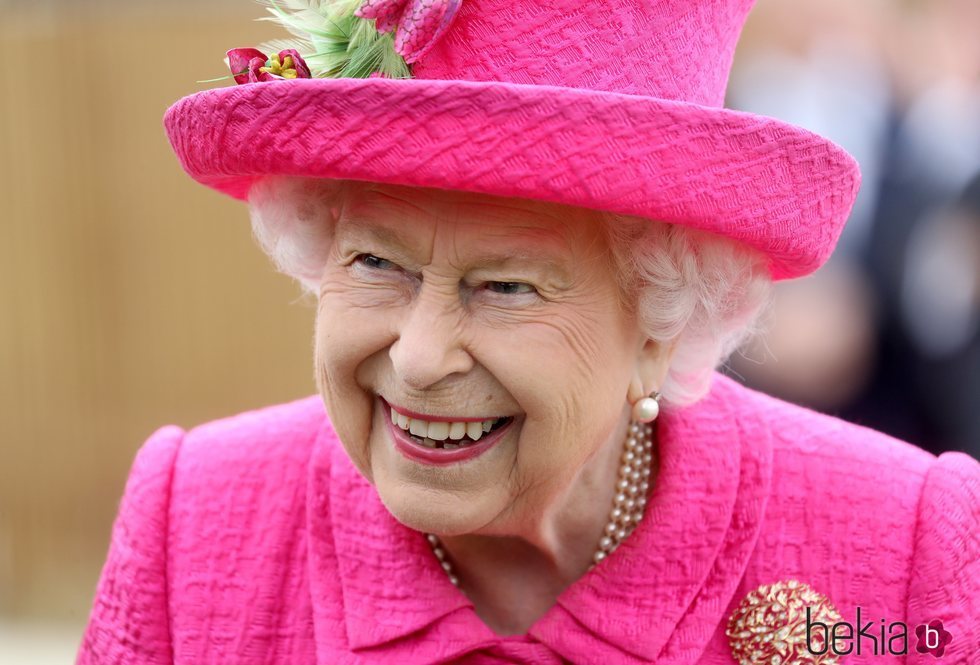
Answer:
(457, 304)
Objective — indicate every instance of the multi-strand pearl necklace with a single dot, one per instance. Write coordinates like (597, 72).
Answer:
(628, 505)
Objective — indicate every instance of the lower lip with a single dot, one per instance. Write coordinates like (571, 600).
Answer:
(439, 456)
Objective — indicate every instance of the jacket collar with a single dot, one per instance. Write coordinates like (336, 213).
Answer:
(662, 592)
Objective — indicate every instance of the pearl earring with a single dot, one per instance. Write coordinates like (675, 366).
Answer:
(647, 409)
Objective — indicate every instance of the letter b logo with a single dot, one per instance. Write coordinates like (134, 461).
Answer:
(932, 638)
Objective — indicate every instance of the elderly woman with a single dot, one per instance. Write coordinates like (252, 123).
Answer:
(534, 234)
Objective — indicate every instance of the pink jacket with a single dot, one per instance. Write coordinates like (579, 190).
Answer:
(253, 540)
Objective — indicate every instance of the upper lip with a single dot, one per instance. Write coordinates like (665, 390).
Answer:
(438, 419)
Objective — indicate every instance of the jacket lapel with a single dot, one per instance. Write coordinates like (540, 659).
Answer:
(373, 578)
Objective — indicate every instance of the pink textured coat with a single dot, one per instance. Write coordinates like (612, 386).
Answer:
(254, 540)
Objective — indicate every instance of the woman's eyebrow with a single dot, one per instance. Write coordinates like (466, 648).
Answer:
(548, 265)
(393, 238)
(385, 235)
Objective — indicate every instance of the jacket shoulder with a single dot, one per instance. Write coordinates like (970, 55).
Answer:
(256, 436)
(945, 573)
(836, 445)
(237, 537)
(858, 484)
(889, 526)
(129, 622)
(250, 460)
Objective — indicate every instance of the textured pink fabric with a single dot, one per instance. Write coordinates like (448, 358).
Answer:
(679, 50)
(607, 105)
(253, 540)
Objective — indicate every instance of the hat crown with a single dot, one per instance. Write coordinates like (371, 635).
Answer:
(672, 49)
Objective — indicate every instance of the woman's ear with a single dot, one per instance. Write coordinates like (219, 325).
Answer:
(652, 363)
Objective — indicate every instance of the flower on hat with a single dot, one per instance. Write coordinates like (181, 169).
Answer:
(334, 42)
(420, 23)
(249, 65)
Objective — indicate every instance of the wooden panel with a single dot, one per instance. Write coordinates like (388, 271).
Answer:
(131, 297)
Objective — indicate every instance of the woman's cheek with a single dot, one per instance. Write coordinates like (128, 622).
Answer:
(347, 336)
(353, 319)
(573, 382)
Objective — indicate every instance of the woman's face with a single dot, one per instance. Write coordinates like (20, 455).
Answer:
(459, 308)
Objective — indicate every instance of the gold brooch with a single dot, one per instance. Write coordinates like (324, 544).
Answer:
(784, 623)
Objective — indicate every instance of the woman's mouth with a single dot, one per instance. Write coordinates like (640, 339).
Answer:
(442, 434)
(442, 439)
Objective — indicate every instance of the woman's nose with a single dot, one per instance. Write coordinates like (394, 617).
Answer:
(429, 346)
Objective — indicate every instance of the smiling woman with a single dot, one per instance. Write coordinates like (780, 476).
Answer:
(440, 306)
(513, 316)
(520, 450)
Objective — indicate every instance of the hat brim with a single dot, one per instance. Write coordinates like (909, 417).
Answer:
(778, 188)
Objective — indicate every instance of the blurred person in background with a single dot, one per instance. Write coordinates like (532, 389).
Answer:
(849, 341)
(939, 316)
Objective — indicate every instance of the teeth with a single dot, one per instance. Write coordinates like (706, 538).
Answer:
(438, 431)
(450, 446)
(434, 432)
(419, 428)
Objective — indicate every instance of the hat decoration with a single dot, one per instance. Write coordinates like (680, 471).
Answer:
(345, 39)
(249, 65)
(420, 23)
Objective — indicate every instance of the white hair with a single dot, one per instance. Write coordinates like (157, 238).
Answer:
(702, 292)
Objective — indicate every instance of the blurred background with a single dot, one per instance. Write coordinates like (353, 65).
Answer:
(133, 298)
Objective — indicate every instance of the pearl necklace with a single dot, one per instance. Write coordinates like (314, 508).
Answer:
(628, 504)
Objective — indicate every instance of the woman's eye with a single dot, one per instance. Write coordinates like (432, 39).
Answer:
(510, 288)
(376, 262)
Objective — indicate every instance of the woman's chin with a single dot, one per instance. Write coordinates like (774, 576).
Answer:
(438, 512)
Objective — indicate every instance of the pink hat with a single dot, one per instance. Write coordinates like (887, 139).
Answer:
(612, 105)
